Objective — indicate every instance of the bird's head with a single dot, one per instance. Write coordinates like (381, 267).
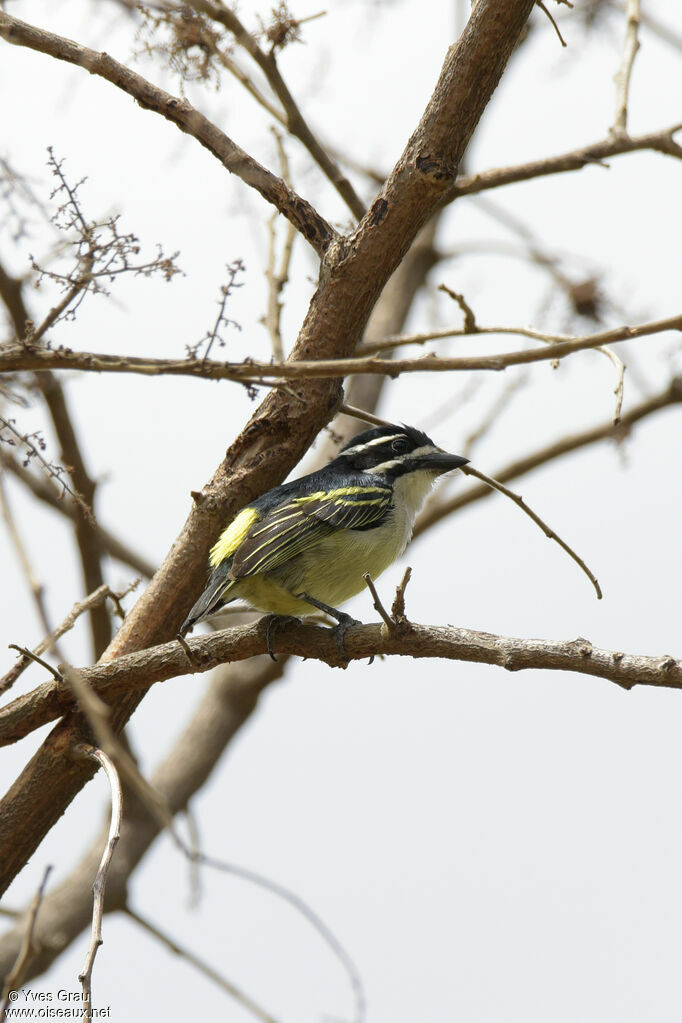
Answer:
(394, 451)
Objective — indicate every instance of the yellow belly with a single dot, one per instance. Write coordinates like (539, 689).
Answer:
(332, 572)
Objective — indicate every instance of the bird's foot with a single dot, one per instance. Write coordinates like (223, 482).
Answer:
(344, 621)
(273, 623)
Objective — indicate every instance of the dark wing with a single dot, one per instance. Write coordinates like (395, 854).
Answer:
(303, 522)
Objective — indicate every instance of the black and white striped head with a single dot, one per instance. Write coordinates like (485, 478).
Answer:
(393, 451)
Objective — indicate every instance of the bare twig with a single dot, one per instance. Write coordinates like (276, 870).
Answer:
(309, 914)
(34, 446)
(378, 606)
(470, 326)
(194, 351)
(362, 415)
(98, 714)
(398, 607)
(99, 887)
(12, 359)
(277, 278)
(96, 599)
(16, 975)
(436, 510)
(56, 675)
(659, 141)
(619, 365)
(547, 530)
(549, 14)
(34, 584)
(622, 77)
(172, 945)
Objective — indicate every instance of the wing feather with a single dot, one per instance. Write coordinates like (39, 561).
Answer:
(304, 522)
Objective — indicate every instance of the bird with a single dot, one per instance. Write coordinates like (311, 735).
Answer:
(306, 545)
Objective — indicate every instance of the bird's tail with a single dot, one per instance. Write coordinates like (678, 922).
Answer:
(214, 596)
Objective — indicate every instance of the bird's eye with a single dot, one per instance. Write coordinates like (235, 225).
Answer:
(400, 445)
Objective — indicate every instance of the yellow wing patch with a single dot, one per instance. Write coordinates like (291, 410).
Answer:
(233, 536)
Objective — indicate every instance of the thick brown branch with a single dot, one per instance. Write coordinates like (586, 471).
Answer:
(142, 669)
(87, 534)
(296, 209)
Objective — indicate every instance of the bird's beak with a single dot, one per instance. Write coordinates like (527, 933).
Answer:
(440, 461)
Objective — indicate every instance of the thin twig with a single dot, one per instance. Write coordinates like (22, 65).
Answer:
(549, 14)
(34, 444)
(98, 714)
(27, 950)
(470, 325)
(56, 675)
(99, 886)
(468, 470)
(659, 141)
(398, 607)
(277, 278)
(360, 413)
(171, 944)
(309, 914)
(623, 75)
(620, 376)
(34, 584)
(48, 643)
(194, 873)
(377, 601)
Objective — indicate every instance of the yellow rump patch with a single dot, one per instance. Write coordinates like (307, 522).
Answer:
(233, 536)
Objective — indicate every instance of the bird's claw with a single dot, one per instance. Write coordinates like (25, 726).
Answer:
(273, 623)
(344, 624)
(344, 621)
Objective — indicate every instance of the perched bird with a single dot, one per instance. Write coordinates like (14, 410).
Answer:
(308, 543)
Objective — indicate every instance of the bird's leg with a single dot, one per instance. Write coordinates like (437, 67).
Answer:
(273, 623)
(185, 646)
(344, 620)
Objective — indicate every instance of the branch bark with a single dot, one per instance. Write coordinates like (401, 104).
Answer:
(137, 671)
(659, 141)
(23, 357)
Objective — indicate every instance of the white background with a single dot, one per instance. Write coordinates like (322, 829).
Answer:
(487, 846)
